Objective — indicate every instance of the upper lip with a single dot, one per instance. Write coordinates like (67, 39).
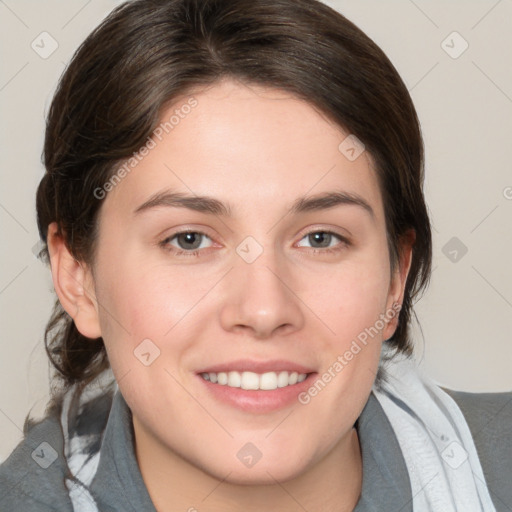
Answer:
(249, 365)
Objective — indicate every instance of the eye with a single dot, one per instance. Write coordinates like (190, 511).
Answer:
(321, 241)
(187, 242)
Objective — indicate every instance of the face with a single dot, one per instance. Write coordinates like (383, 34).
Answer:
(260, 276)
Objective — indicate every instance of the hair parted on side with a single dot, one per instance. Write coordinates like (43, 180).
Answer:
(147, 53)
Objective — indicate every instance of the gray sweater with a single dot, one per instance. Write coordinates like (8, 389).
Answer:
(32, 478)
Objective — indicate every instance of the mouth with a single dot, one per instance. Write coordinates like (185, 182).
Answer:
(256, 393)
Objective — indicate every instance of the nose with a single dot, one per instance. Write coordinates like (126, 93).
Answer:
(259, 298)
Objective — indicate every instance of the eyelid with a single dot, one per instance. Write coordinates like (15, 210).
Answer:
(172, 232)
(343, 234)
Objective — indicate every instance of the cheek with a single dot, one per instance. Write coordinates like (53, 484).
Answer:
(349, 297)
(138, 307)
(349, 305)
(148, 302)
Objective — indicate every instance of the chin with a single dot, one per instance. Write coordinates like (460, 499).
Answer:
(262, 472)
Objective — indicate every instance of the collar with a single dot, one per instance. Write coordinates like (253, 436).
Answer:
(386, 484)
(118, 483)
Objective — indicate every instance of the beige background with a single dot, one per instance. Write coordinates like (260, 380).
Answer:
(465, 107)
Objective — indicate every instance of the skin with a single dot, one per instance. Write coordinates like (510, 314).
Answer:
(258, 150)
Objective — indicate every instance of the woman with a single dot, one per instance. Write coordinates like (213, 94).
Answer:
(211, 355)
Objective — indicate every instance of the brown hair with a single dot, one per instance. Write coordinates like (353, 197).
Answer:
(148, 52)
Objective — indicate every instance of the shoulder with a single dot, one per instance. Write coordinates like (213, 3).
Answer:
(489, 417)
(486, 413)
(32, 478)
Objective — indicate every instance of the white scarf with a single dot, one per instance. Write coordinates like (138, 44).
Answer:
(439, 452)
(437, 445)
(77, 449)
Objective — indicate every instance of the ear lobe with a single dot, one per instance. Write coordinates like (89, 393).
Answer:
(73, 284)
(398, 282)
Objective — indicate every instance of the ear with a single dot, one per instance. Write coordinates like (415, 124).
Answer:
(397, 283)
(74, 285)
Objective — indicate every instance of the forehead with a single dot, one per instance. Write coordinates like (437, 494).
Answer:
(250, 147)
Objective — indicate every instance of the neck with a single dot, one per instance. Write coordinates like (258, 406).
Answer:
(333, 484)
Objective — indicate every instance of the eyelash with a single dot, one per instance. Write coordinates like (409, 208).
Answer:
(178, 252)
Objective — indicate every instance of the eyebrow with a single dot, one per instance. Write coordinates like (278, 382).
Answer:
(210, 205)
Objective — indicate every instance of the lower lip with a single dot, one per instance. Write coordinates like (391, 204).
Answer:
(258, 401)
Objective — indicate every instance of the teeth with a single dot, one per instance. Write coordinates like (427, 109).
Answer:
(254, 381)
(234, 380)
